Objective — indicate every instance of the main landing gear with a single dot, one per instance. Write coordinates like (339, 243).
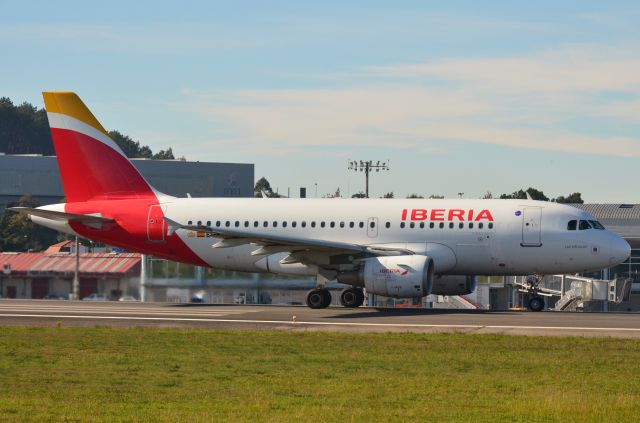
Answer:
(321, 298)
(352, 297)
(318, 298)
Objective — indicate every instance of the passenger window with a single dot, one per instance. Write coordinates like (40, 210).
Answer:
(421, 225)
(490, 225)
(208, 223)
(313, 224)
(470, 225)
(199, 222)
(441, 225)
(372, 225)
(190, 222)
(387, 225)
(460, 225)
(571, 226)
(450, 225)
(480, 225)
(351, 224)
(332, 224)
(265, 224)
(342, 224)
(584, 225)
(322, 224)
(275, 224)
(284, 224)
(412, 225)
(255, 223)
(237, 223)
(293, 224)
(303, 224)
(432, 225)
(217, 223)
(227, 223)
(361, 224)
(246, 223)
(401, 224)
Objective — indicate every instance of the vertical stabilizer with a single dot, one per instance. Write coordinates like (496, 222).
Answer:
(91, 164)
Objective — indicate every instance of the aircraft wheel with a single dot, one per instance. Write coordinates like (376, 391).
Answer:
(351, 297)
(318, 298)
(536, 303)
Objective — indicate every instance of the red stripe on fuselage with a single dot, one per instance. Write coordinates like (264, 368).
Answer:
(130, 229)
(92, 170)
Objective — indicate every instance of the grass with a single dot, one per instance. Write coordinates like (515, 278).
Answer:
(112, 374)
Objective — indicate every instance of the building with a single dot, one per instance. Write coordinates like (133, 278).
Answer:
(39, 176)
(50, 273)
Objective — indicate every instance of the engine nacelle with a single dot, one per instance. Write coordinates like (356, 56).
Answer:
(394, 276)
(454, 284)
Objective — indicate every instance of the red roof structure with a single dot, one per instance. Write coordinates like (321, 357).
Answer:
(63, 264)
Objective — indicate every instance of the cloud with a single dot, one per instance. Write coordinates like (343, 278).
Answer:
(533, 102)
(144, 38)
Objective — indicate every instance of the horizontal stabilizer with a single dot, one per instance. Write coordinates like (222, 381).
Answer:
(94, 220)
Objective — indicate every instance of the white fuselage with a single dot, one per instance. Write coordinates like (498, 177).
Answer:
(521, 236)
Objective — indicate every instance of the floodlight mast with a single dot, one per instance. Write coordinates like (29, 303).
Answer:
(366, 167)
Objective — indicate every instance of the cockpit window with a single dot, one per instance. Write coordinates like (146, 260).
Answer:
(572, 225)
(596, 224)
(584, 224)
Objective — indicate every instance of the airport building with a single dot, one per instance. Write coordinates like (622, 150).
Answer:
(39, 176)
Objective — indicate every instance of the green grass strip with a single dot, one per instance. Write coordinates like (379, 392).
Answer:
(138, 374)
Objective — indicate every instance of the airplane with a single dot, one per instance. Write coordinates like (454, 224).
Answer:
(401, 248)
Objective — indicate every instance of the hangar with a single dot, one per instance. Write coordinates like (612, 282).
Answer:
(39, 176)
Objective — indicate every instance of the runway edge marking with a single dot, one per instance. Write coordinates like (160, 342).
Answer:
(288, 322)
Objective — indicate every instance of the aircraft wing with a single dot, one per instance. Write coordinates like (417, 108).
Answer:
(231, 237)
(87, 219)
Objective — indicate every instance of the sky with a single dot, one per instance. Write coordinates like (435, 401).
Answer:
(459, 96)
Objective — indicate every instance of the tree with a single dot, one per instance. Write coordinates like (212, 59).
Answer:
(164, 155)
(24, 129)
(436, 197)
(18, 233)
(574, 198)
(487, 196)
(359, 195)
(414, 196)
(388, 195)
(522, 195)
(264, 185)
(130, 147)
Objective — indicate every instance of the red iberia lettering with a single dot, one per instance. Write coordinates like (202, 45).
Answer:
(437, 214)
(446, 214)
(456, 213)
(418, 214)
(484, 214)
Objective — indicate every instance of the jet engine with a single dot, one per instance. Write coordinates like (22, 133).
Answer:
(393, 276)
(454, 284)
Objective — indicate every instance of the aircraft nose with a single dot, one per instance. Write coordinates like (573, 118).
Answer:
(620, 250)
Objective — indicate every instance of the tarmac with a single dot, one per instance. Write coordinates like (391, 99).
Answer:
(299, 318)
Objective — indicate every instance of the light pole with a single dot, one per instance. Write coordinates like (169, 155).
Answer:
(366, 167)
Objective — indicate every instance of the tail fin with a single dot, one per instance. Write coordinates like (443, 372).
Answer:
(92, 166)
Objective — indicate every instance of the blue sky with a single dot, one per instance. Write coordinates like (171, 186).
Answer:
(460, 96)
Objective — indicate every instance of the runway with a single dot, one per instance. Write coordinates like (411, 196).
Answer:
(83, 313)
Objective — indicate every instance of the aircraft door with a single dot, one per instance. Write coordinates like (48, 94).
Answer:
(155, 224)
(531, 227)
(372, 227)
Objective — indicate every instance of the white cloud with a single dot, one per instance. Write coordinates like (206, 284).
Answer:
(523, 102)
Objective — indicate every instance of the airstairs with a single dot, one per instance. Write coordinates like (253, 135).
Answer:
(573, 293)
